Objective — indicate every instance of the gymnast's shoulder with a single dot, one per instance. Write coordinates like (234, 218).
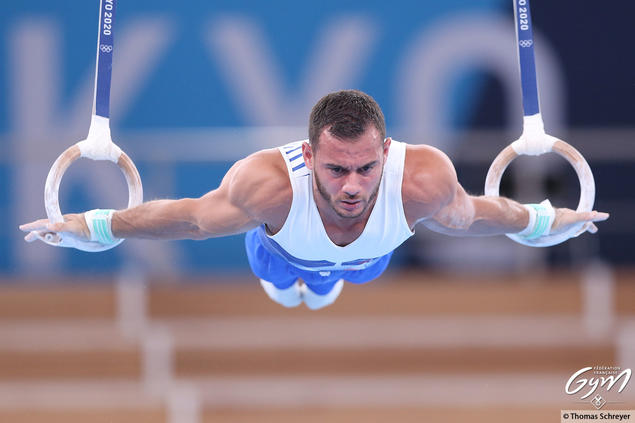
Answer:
(260, 184)
(429, 181)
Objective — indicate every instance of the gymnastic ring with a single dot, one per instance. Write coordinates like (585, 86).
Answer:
(54, 178)
(587, 189)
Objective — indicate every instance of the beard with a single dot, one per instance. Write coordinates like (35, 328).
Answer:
(333, 202)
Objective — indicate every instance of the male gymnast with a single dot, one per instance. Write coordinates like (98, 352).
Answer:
(324, 210)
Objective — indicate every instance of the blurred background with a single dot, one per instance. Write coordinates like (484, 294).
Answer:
(477, 329)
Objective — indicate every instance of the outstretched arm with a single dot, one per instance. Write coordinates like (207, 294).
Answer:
(217, 213)
(251, 193)
(451, 211)
(466, 215)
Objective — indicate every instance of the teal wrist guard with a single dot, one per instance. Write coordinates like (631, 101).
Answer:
(99, 223)
(541, 217)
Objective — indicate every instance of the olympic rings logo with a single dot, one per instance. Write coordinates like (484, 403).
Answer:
(105, 48)
(525, 43)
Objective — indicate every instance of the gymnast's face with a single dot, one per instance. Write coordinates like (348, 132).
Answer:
(347, 173)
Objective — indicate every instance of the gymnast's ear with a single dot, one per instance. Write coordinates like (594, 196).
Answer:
(307, 154)
(387, 142)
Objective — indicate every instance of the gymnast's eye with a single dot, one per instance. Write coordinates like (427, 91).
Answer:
(336, 170)
(365, 169)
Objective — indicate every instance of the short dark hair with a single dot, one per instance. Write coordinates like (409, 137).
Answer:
(347, 113)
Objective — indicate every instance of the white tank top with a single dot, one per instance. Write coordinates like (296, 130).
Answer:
(303, 241)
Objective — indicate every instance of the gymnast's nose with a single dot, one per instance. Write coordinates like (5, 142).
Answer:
(352, 186)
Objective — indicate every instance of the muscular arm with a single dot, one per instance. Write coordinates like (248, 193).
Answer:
(433, 196)
(213, 215)
(467, 215)
(254, 191)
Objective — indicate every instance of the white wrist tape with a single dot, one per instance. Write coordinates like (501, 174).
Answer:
(99, 223)
(541, 217)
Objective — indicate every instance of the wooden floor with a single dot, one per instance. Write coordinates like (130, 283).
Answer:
(309, 415)
(409, 347)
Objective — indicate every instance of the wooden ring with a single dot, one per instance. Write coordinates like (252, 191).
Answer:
(54, 178)
(587, 189)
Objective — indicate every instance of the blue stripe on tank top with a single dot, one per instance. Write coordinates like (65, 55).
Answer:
(292, 150)
(300, 166)
(295, 157)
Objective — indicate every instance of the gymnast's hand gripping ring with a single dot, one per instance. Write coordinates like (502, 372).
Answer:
(98, 144)
(582, 169)
(534, 141)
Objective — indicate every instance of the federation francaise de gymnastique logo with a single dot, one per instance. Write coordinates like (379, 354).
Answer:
(604, 377)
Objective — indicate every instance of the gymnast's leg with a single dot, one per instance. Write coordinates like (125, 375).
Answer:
(276, 275)
(319, 294)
